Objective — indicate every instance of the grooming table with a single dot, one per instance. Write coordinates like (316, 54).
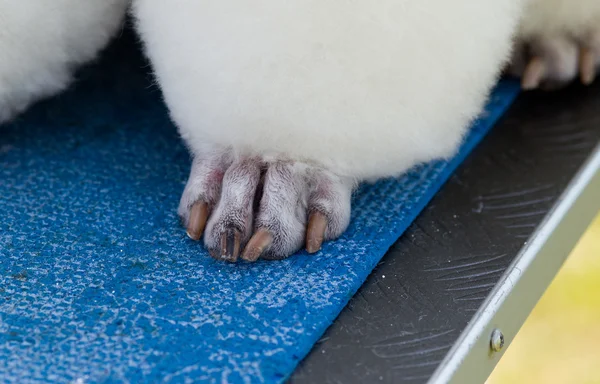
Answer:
(98, 282)
(478, 257)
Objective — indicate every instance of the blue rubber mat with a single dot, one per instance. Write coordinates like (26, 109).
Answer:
(99, 282)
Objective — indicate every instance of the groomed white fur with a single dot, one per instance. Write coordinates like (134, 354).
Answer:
(555, 17)
(43, 41)
(557, 41)
(366, 89)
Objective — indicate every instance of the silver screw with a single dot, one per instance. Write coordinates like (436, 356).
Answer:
(497, 340)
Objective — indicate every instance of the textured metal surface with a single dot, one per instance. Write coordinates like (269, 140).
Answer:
(470, 360)
(414, 306)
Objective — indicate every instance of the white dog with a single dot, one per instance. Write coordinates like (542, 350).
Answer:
(43, 41)
(287, 105)
(315, 96)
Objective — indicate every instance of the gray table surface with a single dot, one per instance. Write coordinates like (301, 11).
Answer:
(478, 257)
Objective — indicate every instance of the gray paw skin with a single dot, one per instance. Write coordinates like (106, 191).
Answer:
(251, 209)
(552, 62)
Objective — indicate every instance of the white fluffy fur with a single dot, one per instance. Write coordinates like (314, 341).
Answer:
(555, 31)
(42, 42)
(556, 17)
(363, 88)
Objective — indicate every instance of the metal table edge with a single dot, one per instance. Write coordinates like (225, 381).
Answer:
(471, 359)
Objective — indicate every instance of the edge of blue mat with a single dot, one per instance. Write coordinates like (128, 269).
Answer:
(427, 178)
(501, 98)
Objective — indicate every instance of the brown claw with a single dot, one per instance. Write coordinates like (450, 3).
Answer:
(230, 245)
(587, 66)
(534, 73)
(261, 240)
(315, 232)
(197, 220)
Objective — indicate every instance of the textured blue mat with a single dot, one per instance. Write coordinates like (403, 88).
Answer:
(98, 280)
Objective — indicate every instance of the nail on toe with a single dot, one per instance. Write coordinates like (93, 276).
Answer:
(315, 232)
(261, 240)
(197, 220)
(587, 66)
(534, 73)
(230, 245)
